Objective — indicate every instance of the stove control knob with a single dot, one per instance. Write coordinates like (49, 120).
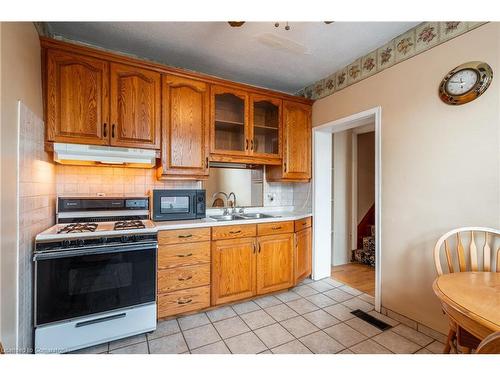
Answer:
(80, 242)
(66, 243)
(125, 238)
(104, 240)
(138, 237)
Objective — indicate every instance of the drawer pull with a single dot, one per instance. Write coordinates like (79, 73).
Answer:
(276, 228)
(234, 231)
(184, 255)
(304, 223)
(185, 235)
(180, 278)
(183, 302)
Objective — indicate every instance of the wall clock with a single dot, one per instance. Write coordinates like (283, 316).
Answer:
(465, 83)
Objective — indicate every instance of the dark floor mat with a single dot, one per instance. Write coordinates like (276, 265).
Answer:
(371, 320)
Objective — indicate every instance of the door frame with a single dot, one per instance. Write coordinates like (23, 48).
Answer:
(322, 192)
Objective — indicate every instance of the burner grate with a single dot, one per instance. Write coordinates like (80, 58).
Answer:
(129, 224)
(78, 228)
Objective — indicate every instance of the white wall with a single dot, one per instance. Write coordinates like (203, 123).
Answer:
(365, 173)
(21, 80)
(440, 163)
(341, 197)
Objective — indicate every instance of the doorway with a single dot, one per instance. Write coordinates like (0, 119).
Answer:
(328, 200)
(353, 211)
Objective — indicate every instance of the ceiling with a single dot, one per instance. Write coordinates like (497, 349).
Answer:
(256, 53)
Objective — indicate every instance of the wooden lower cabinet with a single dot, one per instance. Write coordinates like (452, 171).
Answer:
(182, 301)
(303, 254)
(239, 262)
(183, 271)
(274, 263)
(233, 270)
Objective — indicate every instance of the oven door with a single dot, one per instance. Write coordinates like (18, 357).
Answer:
(174, 205)
(79, 282)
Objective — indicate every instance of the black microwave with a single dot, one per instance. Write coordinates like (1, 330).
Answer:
(178, 204)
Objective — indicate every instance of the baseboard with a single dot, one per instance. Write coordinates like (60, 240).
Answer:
(415, 325)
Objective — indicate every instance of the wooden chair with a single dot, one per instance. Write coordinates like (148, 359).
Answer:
(490, 345)
(466, 258)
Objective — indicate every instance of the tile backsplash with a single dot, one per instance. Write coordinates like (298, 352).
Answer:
(112, 181)
(118, 181)
(37, 191)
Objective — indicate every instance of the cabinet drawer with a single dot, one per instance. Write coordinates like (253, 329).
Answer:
(275, 228)
(302, 223)
(183, 254)
(183, 301)
(170, 280)
(166, 237)
(234, 231)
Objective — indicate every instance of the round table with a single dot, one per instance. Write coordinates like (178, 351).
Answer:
(471, 300)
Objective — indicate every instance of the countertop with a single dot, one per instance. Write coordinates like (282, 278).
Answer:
(208, 222)
(278, 213)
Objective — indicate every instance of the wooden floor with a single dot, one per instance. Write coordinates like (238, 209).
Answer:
(356, 275)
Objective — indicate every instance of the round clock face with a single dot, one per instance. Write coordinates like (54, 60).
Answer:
(461, 82)
(465, 83)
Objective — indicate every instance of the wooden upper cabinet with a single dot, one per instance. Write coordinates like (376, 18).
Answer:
(303, 254)
(185, 134)
(265, 129)
(233, 270)
(135, 96)
(274, 263)
(230, 134)
(296, 165)
(77, 100)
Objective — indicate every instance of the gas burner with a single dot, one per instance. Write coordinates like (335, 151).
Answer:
(78, 228)
(129, 224)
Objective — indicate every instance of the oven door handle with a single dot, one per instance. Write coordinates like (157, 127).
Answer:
(100, 320)
(95, 251)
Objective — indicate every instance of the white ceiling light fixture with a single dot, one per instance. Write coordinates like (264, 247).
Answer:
(276, 24)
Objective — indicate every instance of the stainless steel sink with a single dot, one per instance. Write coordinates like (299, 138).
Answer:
(255, 216)
(249, 216)
(226, 217)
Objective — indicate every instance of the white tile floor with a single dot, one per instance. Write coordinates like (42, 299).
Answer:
(314, 317)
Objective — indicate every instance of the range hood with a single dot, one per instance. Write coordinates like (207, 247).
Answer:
(75, 154)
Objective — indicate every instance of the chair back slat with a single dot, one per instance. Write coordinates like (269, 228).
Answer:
(486, 254)
(449, 259)
(498, 260)
(461, 254)
(473, 252)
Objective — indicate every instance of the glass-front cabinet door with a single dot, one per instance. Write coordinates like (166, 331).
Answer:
(265, 114)
(230, 134)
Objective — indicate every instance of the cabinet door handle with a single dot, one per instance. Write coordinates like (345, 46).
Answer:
(206, 162)
(259, 247)
(185, 278)
(246, 144)
(183, 302)
(254, 248)
(276, 228)
(184, 255)
(251, 144)
(185, 235)
(113, 131)
(285, 165)
(105, 130)
(234, 231)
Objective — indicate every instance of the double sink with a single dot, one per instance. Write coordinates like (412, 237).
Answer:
(249, 216)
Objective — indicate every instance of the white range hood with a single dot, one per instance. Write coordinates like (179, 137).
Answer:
(75, 154)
